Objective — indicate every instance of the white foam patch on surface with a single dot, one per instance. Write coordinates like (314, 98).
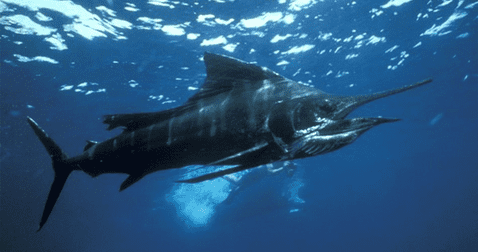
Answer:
(445, 2)
(131, 7)
(148, 20)
(401, 59)
(392, 49)
(174, 30)
(341, 74)
(223, 22)
(42, 17)
(278, 38)
(83, 84)
(66, 87)
(107, 11)
(193, 36)
(472, 5)
(85, 88)
(299, 49)
(262, 20)
(22, 58)
(101, 90)
(147, 23)
(168, 101)
(25, 26)
(211, 20)
(83, 23)
(214, 41)
(374, 40)
(133, 83)
(375, 12)
(156, 97)
(440, 30)
(298, 5)
(162, 3)
(395, 3)
(325, 36)
(206, 19)
(121, 24)
(57, 42)
(351, 56)
(463, 35)
(230, 47)
(283, 62)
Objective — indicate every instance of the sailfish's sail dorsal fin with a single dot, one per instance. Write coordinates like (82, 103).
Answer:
(220, 67)
(223, 74)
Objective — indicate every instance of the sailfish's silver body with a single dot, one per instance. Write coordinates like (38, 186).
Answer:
(244, 115)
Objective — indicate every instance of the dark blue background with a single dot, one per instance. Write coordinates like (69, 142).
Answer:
(406, 186)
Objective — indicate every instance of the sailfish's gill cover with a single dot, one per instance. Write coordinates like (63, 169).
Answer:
(244, 115)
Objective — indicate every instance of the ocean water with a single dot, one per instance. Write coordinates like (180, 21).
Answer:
(407, 186)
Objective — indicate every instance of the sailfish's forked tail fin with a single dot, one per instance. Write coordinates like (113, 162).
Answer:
(62, 170)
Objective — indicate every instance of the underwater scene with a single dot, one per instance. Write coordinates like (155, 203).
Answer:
(238, 125)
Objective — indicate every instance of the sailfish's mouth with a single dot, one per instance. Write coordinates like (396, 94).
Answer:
(333, 136)
(357, 125)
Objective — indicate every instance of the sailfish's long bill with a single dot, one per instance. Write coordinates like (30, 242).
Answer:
(243, 115)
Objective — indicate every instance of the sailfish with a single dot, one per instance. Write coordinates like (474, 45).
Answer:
(243, 116)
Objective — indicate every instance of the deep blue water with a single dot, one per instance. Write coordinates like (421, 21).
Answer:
(407, 186)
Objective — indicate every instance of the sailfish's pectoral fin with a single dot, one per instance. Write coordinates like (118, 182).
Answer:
(217, 174)
(236, 158)
(130, 180)
(243, 154)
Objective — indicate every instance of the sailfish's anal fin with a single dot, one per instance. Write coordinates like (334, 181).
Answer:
(130, 181)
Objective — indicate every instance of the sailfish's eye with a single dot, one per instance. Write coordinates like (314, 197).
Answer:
(327, 108)
(304, 117)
